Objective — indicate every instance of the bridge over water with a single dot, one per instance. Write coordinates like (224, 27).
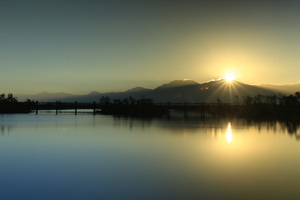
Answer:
(186, 107)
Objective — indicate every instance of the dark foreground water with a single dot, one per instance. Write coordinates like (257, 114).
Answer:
(86, 157)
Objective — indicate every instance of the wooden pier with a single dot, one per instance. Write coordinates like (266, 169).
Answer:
(58, 106)
(201, 108)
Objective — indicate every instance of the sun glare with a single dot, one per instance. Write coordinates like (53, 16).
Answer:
(229, 77)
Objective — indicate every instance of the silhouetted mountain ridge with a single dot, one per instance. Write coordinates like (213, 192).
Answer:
(176, 91)
(138, 89)
(177, 83)
(93, 93)
(45, 96)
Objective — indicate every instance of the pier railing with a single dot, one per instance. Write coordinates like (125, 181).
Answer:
(95, 107)
(57, 106)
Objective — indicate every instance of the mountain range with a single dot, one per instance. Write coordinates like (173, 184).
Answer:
(177, 91)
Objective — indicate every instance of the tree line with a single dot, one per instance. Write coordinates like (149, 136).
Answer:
(10, 104)
(283, 107)
(273, 99)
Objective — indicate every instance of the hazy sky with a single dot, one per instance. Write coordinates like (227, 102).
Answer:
(81, 46)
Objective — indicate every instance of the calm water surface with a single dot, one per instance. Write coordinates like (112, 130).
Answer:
(85, 157)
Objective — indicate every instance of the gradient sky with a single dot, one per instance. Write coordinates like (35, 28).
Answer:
(81, 46)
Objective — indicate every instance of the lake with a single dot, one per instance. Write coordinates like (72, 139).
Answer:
(65, 156)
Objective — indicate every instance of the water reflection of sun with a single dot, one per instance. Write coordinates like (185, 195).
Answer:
(229, 133)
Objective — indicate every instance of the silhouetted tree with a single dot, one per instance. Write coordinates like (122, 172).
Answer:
(10, 104)
(2, 97)
(258, 99)
(126, 101)
(271, 99)
(10, 98)
(237, 100)
(290, 100)
(219, 102)
(132, 101)
(247, 100)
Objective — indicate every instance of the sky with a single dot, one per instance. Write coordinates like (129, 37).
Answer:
(79, 46)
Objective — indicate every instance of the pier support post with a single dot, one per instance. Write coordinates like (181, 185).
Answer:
(202, 110)
(36, 107)
(185, 110)
(75, 107)
(94, 108)
(169, 110)
(56, 107)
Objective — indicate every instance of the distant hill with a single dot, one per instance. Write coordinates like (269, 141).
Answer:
(207, 92)
(138, 89)
(176, 91)
(177, 83)
(284, 89)
(45, 96)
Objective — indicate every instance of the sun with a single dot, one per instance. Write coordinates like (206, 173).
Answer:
(229, 77)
